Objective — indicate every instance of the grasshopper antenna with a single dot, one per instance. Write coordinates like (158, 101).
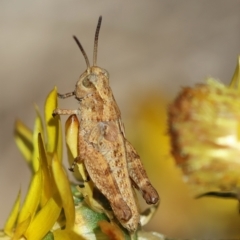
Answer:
(96, 41)
(83, 52)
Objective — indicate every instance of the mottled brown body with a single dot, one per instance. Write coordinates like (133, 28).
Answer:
(111, 162)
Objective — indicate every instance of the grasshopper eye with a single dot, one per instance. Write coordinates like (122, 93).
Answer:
(86, 83)
(105, 73)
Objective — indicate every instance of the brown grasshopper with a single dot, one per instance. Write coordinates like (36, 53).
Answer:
(110, 160)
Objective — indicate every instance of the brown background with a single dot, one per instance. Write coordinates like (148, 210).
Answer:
(146, 46)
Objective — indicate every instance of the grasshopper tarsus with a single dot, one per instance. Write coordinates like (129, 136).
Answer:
(87, 179)
(71, 169)
(55, 113)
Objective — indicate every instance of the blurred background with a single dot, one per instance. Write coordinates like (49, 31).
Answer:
(151, 49)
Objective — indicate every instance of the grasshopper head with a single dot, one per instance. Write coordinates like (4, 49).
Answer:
(94, 78)
(91, 81)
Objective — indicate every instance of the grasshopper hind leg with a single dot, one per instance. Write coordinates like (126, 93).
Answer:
(139, 176)
(100, 173)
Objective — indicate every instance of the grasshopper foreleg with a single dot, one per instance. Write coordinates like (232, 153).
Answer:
(58, 111)
(66, 95)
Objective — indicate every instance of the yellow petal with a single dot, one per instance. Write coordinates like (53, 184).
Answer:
(38, 128)
(3, 236)
(44, 220)
(33, 197)
(71, 136)
(59, 146)
(48, 181)
(72, 129)
(54, 134)
(235, 82)
(10, 223)
(23, 138)
(66, 235)
(21, 227)
(64, 189)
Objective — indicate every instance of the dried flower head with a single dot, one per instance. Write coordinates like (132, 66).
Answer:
(204, 123)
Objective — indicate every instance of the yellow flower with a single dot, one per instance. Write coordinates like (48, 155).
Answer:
(54, 208)
(204, 126)
(49, 191)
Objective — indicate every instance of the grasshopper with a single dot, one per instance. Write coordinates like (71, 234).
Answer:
(110, 160)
